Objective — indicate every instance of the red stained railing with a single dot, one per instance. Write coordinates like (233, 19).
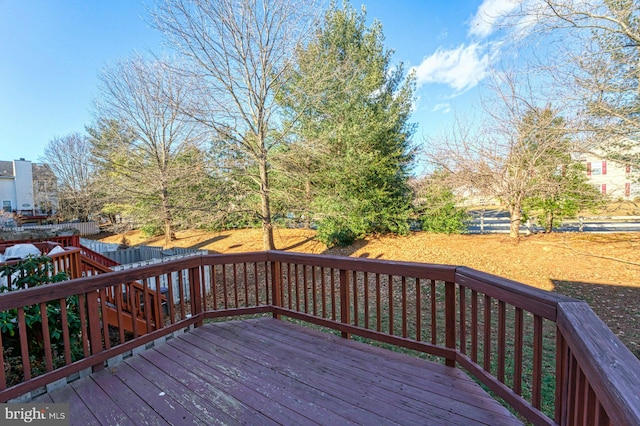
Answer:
(547, 356)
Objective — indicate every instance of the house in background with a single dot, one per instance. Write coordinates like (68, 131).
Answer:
(27, 190)
(613, 178)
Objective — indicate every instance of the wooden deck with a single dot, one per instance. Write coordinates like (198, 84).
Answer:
(267, 371)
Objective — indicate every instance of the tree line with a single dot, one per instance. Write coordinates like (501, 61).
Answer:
(269, 111)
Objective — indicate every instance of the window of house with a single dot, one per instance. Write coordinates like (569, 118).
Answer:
(597, 168)
(627, 189)
(604, 189)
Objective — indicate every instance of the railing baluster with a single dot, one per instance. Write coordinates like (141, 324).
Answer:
(487, 334)
(105, 325)
(235, 286)
(463, 319)
(404, 306)
(146, 304)
(255, 281)
(474, 325)
(366, 300)
(289, 286)
(434, 313)
(196, 297)
(502, 338)
(355, 301)
(579, 393)
(297, 286)
(378, 304)
(46, 337)
(418, 309)
(314, 297)
(224, 286)
(120, 318)
(517, 350)
(345, 305)
(181, 294)
(159, 296)
(333, 294)
(24, 345)
(170, 302)
(3, 376)
(304, 289)
(323, 291)
(82, 306)
(391, 316)
(450, 319)
(246, 284)
(536, 391)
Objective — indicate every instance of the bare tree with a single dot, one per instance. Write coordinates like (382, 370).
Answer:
(594, 57)
(69, 157)
(511, 157)
(155, 156)
(241, 51)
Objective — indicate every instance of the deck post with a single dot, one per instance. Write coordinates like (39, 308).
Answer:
(93, 317)
(450, 319)
(345, 303)
(276, 286)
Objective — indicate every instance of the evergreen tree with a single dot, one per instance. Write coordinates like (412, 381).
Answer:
(351, 153)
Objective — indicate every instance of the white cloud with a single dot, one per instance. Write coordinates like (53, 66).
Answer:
(490, 15)
(461, 68)
(445, 108)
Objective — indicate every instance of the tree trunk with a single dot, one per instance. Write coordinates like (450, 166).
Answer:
(307, 213)
(267, 227)
(166, 213)
(516, 218)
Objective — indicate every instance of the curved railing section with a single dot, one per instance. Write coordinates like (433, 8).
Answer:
(546, 355)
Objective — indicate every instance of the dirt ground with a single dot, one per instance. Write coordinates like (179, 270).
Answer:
(603, 269)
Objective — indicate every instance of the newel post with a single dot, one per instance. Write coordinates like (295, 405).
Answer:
(450, 318)
(345, 303)
(276, 286)
(93, 318)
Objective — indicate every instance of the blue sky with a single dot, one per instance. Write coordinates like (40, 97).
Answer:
(52, 50)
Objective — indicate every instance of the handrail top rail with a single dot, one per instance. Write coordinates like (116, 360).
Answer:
(383, 266)
(611, 367)
(538, 301)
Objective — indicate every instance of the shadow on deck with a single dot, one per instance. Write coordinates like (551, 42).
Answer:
(266, 371)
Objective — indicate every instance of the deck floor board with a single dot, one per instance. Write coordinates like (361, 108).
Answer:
(265, 371)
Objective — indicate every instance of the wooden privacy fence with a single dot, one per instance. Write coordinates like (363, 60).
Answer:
(548, 356)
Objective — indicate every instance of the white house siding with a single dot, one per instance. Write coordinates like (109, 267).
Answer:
(16, 185)
(616, 180)
(23, 173)
(7, 192)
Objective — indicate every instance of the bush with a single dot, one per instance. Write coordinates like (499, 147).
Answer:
(32, 272)
(151, 230)
(333, 232)
(446, 219)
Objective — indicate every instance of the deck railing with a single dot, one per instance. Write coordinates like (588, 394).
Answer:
(547, 356)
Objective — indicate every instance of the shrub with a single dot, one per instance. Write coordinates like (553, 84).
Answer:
(32, 272)
(333, 232)
(151, 230)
